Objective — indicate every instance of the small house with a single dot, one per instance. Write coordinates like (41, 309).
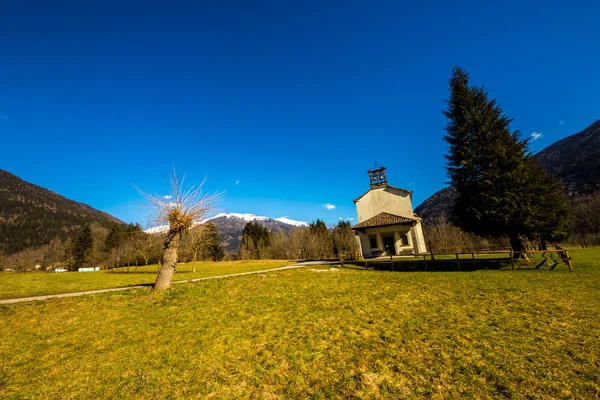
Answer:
(387, 224)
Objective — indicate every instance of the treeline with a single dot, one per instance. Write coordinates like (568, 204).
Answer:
(442, 237)
(120, 247)
(315, 242)
(586, 232)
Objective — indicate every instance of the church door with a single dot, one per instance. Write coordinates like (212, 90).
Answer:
(388, 245)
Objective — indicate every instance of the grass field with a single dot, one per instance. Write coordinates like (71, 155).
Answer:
(303, 334)
(18, 284)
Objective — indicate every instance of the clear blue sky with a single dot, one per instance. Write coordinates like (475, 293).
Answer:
(284, 104)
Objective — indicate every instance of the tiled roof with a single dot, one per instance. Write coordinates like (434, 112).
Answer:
(384, 219)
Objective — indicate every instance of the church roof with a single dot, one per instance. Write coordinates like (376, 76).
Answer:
(384, 187)
(384, 219)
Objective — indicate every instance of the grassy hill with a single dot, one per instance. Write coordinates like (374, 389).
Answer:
(31, 216)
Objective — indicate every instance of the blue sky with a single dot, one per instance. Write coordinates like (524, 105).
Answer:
(284, 105)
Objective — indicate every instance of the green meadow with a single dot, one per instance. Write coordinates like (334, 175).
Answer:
(345, 333)
(18, 284)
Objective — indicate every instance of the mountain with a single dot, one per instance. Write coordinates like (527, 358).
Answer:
(231, 225)
(437, 206)
(574, 160)
(31, 216)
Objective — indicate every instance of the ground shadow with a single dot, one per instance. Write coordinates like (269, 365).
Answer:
(431, 265)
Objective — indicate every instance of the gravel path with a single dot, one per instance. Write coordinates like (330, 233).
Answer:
(52, 296)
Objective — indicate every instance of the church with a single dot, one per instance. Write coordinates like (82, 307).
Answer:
(387, 225)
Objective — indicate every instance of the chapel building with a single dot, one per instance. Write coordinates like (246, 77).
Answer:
(387, 225)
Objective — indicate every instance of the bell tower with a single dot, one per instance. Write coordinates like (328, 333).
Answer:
(377, 177)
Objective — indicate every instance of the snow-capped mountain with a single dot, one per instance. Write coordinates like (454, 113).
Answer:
(286, 220)
(231, 225)
(245, 217)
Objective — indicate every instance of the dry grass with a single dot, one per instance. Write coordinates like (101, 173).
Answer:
(300, 334)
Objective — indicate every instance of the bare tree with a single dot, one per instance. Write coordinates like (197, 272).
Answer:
(344, 241)
(194, 243)
(186, 205)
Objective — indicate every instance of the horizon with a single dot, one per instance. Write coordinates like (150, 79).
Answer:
(283, 106)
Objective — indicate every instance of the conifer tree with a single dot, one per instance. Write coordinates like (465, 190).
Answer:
(501, 191)
(255, 239)
(82, 247)
(211, 243)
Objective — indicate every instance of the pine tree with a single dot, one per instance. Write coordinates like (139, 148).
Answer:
(255, 239)
(501, 191)
(211, 243)
(82, 247)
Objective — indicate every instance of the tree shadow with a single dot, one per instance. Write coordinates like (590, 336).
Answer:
(431, 265)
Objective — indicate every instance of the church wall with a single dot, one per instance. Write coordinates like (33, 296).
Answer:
(396, 231)
(389, 200)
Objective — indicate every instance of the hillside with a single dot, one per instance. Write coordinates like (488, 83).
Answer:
(31, 216)
(230, 228)
(437, 206)
(574, 160)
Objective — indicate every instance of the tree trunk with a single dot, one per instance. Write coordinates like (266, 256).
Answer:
(517, 243)
(169, 261)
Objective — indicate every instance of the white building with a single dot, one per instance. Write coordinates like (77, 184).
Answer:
(387, 224)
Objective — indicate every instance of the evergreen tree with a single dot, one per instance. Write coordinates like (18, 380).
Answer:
(255, 239)
(118, 233)
(211, 243)
(113, 237)
(501, 191)
(318, 227)
(82, 247)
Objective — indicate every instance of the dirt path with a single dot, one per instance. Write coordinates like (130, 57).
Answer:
(52, 296)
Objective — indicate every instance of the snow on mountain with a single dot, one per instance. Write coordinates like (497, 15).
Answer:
(244, 217)
(288, 221)
(157, 229)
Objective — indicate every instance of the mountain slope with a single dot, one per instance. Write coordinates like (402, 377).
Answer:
(437, 207)
(231, 225)
(31, 216)
(230, 228)
(574, 160)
